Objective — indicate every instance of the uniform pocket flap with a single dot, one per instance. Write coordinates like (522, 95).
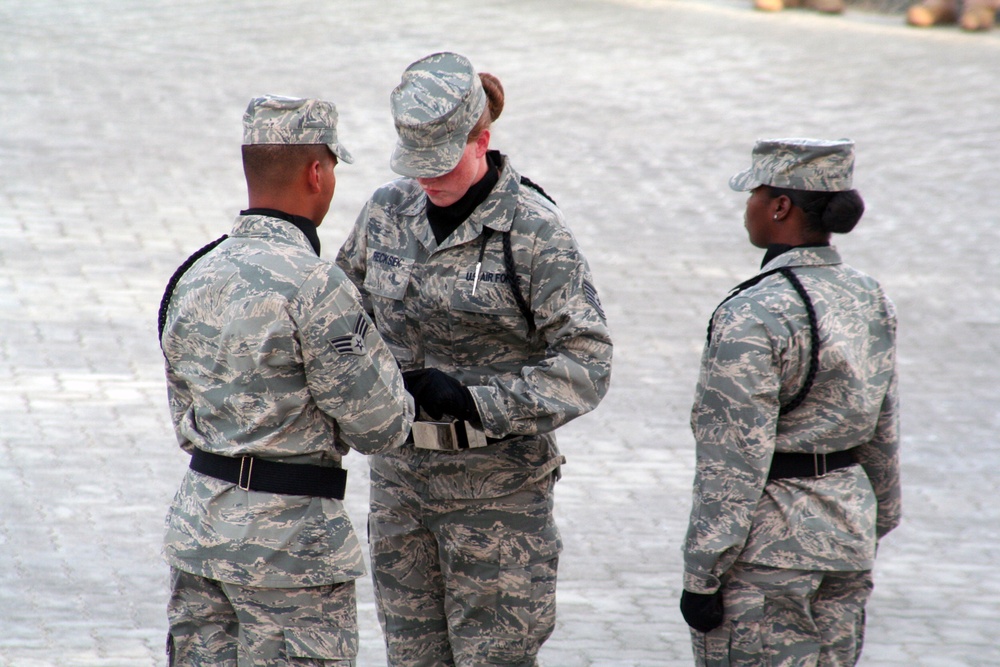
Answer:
(321, 643)
(388, 275)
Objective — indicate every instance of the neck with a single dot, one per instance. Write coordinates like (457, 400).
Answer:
(291, 204)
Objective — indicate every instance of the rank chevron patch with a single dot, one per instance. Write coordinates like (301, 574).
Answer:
(591, 293)
(353, 343)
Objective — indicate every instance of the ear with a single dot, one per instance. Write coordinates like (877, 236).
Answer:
(312, 176)
(782, 206)
(482, 143)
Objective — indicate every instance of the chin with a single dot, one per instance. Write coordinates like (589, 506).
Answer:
(442, 201)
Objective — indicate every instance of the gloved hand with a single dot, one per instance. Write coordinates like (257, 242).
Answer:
(702, 611)
(440, 394)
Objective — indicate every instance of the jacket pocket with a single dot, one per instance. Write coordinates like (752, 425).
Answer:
(486, 327)
(387, 275)
(386, 280)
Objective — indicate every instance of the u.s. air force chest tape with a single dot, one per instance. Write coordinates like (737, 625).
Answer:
(450, 436)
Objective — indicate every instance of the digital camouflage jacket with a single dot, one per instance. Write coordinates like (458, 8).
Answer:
(269, 353)
(755, 361)
(432, 312)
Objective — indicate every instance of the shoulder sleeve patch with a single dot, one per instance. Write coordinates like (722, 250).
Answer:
(591, 293)
(352, 343)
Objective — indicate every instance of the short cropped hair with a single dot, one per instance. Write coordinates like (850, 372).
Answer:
(269, 166)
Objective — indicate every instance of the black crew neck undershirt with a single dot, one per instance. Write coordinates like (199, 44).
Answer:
(305, 225)
(446, 219)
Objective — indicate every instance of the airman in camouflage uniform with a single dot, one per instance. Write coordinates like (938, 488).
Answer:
(796, 427)
(274, 371)
(463, 543)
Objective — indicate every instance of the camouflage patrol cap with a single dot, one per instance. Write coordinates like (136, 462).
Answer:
(435, 106)
(272, 119)
(799, 164)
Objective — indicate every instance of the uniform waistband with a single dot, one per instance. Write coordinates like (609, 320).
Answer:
(793, 464)
(255, 474)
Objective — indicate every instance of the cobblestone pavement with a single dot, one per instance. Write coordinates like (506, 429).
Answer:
(119, 134)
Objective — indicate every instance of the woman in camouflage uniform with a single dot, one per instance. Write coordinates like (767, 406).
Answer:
(796, 425)
(480, 291)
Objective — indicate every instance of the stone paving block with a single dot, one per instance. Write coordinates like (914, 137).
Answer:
(119, 147)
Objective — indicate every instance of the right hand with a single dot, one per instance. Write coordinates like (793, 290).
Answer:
(440, 394)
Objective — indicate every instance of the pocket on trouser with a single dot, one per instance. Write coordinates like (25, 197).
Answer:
(203, 626)
(301, 626)
(746, 643)
(326, 646)
(738, 641)
(329, 637)
(502, 595)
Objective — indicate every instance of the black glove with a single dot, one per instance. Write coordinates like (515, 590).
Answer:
(702, 611)
(440, 394)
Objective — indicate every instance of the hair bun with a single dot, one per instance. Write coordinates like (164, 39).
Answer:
(843, 211)
(494, 93)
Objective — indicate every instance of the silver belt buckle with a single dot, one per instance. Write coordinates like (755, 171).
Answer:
(449, 436)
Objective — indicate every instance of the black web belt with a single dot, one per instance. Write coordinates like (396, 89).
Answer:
(254, 474)
(789, 464)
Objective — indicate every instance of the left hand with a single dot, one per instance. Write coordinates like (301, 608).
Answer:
(702, 611)
(440, 394)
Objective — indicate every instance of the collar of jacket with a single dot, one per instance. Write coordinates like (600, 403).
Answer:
(272, 224)
(804, 256)
(496, 212)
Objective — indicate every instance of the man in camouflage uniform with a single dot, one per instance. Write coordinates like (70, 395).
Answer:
(784, 524)
(463, 542)
(273, 372)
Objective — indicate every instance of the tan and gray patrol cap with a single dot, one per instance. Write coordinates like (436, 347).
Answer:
(272, 119)
(435, 106)
(799, 164)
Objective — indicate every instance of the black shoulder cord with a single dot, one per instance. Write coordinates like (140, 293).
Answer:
(813, 331)
(537, 188)
(515, 283)
(508, 261)
(174, 279)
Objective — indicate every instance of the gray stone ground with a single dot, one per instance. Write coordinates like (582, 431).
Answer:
(119, 134)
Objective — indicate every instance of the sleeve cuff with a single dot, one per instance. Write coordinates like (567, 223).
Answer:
(705, 584)
(491, 412)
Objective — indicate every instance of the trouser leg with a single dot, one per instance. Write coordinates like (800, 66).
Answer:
(409, 588)
(203, 625)
(463, 582)
(296, 627)
(839, 612)
(787, 618)
(499, 561)
(768, 621)
(215, 624)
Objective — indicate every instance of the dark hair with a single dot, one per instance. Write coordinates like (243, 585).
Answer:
(494, 104)
(275, 165)
(826, 212)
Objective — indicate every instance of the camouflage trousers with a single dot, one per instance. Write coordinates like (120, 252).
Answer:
(463, 582)
(787, 618)
(215, 624)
